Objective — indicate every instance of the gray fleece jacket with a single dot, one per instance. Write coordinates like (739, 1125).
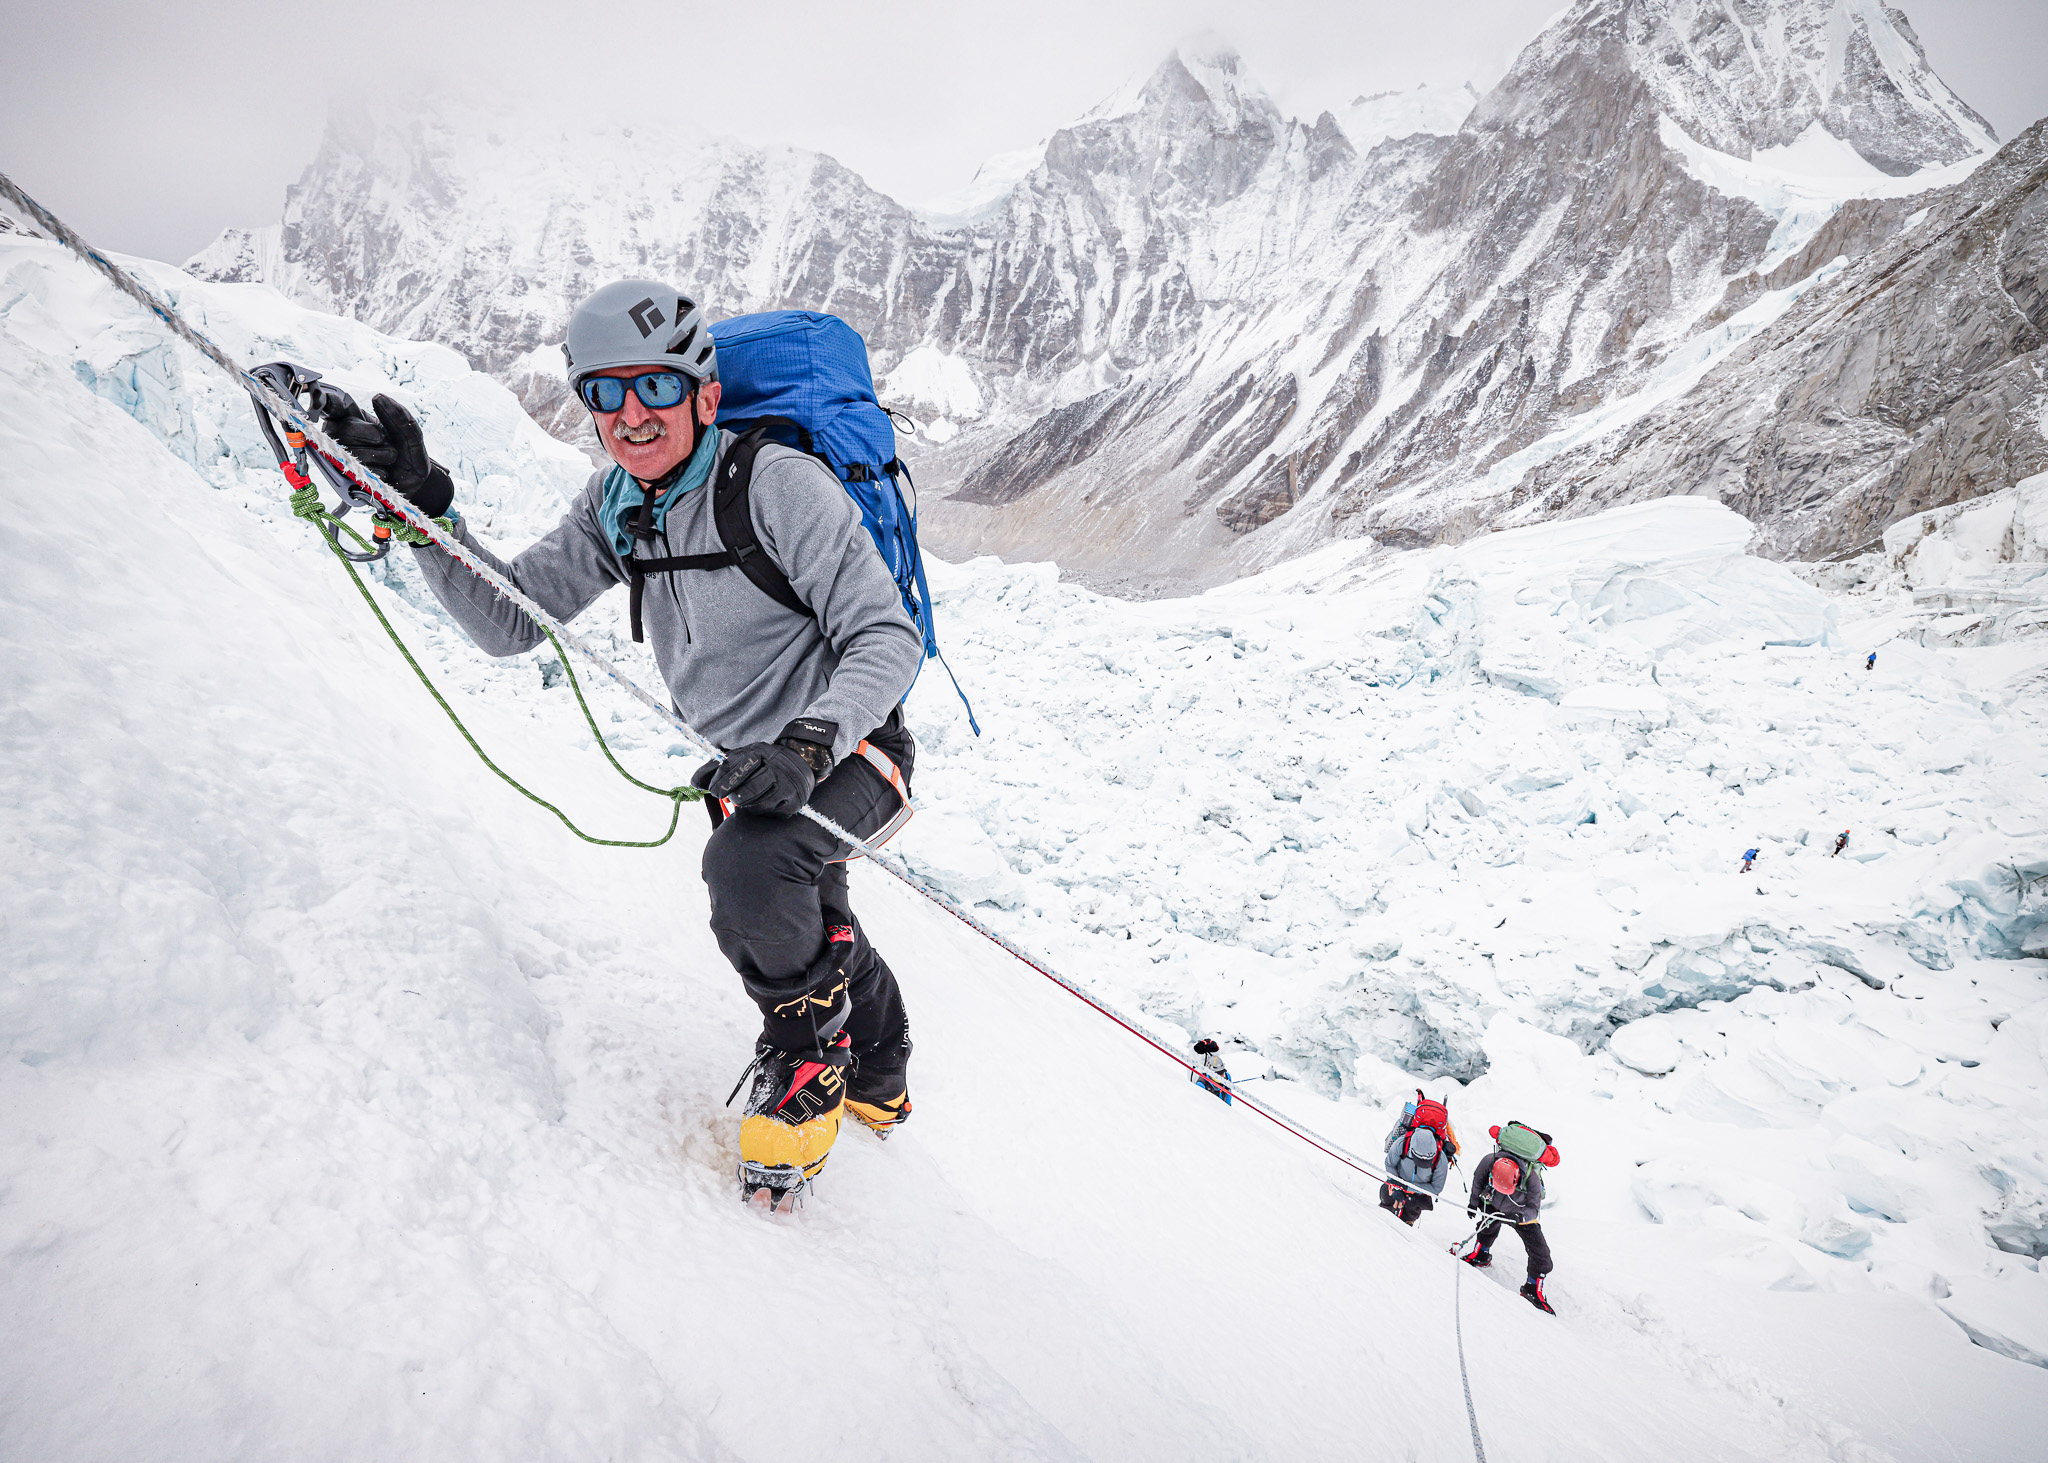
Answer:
(740, 666)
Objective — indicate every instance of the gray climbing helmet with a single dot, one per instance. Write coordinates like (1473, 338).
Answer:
(640, 322)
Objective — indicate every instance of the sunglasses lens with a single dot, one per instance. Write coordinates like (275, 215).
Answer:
(661, 388)
(604, 393)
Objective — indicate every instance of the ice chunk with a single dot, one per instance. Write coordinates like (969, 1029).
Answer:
(1648, 1045)
(1840, 1234)
(2008, 1315)
(1623, 705)
(1882, 1181)
(949, 848)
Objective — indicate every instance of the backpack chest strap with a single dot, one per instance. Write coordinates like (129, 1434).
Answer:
(637, 571)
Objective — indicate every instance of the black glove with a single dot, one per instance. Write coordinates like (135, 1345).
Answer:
(775, 777)
(393, 447)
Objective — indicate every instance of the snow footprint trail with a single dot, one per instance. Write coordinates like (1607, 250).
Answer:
(337, 1116)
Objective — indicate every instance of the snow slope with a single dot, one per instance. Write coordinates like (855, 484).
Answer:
(356, 1110)
(1805, 182)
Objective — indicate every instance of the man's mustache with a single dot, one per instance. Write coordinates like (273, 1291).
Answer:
(640, 432)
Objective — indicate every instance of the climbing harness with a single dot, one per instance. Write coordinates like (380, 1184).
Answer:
(408, 522)
(300, 385)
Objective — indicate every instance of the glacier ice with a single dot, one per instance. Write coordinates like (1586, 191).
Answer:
(1357, 817)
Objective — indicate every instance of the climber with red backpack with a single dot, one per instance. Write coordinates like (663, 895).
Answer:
(1507, 1188)
(1420, 1152)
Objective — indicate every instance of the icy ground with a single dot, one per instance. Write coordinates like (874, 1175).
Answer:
(356, 1111)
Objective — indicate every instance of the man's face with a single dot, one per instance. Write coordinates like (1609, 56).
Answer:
(647, 441)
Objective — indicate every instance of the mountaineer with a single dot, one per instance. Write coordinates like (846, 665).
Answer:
(1209, 1073)
(1420, 1151)
(1507, 1188)
(797, 666)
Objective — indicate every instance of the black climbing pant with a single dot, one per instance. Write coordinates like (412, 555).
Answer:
(780, 911)
(1532, 1241)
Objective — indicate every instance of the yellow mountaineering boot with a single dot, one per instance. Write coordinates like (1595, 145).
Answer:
(881, 1118)
(792, 1118)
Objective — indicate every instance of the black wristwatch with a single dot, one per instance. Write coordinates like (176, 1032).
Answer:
(811, 739)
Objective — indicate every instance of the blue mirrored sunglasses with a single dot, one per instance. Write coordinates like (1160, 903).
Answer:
(656, 389)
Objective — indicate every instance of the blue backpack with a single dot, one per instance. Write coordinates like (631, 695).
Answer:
(801, 378)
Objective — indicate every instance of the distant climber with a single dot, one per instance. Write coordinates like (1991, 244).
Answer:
(1507, 1188)
(1209, 1072)
(802, 688)
(1841, 843)
(1420, 1151)
(1871, 664)
(1748, 858)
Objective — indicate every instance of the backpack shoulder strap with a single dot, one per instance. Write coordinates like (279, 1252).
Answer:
(732, 511)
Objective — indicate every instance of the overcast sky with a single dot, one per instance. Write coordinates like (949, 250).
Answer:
(150, 130)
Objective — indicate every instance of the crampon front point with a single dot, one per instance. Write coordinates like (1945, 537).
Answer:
(784, 1184)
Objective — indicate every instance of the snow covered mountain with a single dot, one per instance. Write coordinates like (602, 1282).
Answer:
(351, 1067)
(1909, 380)
(1205, 337)
(1568, 245)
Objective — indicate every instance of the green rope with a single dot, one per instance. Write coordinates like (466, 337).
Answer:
(306, 504)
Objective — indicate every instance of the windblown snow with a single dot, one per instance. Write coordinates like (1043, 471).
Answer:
(355, 1110)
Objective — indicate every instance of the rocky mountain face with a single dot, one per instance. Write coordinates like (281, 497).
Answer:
(1912, 380)
(1209, 336)
(1752, 74)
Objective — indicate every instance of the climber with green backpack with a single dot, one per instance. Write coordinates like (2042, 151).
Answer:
(1507, 1188)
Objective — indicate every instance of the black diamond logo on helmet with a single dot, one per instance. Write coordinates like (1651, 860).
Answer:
(645, 315)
